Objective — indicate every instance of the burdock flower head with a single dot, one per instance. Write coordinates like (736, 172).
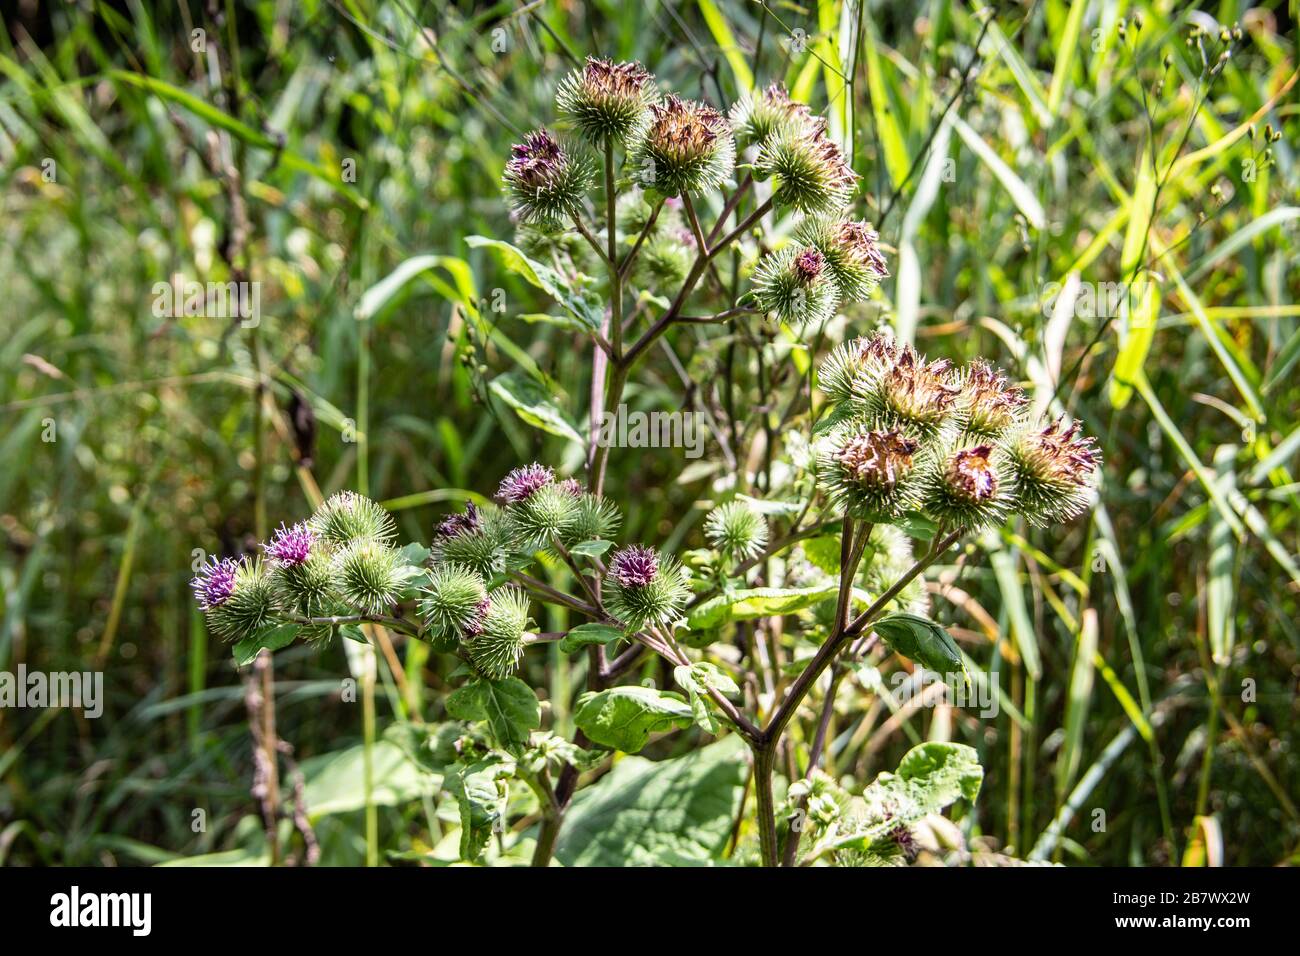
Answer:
(808, 170)
(970, 488)
(477, 539)
(242, 606)
(851, 250)
(369, 575)
(854, 369)
(917, 396)
(466, 523)
(607, 100)
(546, 184)
(214, 583)
(301, 573)
(450, 603)
(687, 148)
(795, 284)
(522, 483)
(348, 516)
(872, 474)
(496, 638)
(644, 588)
(736, 530)
(991, 406)
(290, 547)
(1055, 469)
(756, 117)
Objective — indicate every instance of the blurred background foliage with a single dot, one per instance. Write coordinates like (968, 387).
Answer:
(1148, 653)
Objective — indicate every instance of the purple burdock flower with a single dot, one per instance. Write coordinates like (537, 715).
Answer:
(571, 487)
(291, 546)
(467, 523)
(536, 160)
(520, 484)
(635, 566)
(475, 626)
(808, 265)
(215, 582)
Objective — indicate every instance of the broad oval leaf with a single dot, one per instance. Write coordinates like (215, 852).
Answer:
(623, 718)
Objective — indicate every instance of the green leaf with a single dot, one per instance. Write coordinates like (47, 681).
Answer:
(591, 549)
(509, 706)
(823, 552)
(480, 791)
(658, 813)
(272, 638)
(583, 306)
(534, 405)
(701, 677)
(930, 777)
(923, 641)
(623, 718)
(586, 634)
(757, 602)
(335, 782)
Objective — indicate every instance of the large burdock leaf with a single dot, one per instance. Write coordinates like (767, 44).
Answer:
(930, 777)
(624, 717)
(509, 706)
(335, 782)
(666, 813)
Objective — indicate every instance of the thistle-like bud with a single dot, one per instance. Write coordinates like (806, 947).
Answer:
(543, 516)
(916, 396)
(521, 483)
(347, 516)
(665, 260)
(970, 488)
(809, 171)
(687, 148)
(886, 559)
(607, 100)
(479, 539)
(796, 286)
(991, 407)
(754, 118)
(855, 368)
(736, 531)
(249, 604)
(451, 604)
(546, 185)
(643, 588)
(851, 250)
(496, 640)
(368, 575)
(871, 474)
(1055, 470)
(596, 519)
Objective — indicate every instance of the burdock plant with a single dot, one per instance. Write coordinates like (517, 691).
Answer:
(847, 466)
